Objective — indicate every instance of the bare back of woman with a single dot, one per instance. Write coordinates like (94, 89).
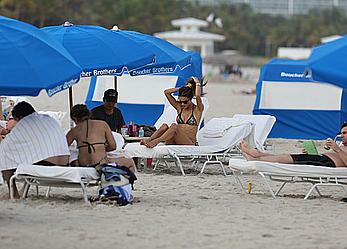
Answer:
(94, 138)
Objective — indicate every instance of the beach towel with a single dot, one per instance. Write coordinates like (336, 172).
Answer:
(35, 137)
(219, 127)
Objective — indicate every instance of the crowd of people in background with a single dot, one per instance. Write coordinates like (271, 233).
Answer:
(231, 71)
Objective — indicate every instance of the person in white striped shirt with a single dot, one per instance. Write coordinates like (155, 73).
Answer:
(36, 139)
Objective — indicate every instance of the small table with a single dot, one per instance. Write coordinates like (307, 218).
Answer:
(128, 139)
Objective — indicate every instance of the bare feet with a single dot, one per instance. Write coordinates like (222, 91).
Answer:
(249, 151)
(243, 152)
(152, 144)
(247, 156)
(144, 141)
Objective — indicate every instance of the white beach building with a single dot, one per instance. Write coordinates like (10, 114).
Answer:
(190, 37)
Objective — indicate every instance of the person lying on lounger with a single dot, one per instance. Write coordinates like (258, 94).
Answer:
(337, 157)
(188, 116)
(94, 138)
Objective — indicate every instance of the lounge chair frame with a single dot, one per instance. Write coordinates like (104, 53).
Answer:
(316, 180)
(198, 159)
(50, 182)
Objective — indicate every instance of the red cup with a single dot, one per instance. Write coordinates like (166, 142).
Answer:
(149, 163)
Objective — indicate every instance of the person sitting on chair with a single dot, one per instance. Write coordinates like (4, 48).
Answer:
(188, 116)
(108, 112)
(335, 158)
(35, 139)
(94, 138)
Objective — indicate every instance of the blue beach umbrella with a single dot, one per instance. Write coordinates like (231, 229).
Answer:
(100, 51)
(168, 56)
(327, 63)
(31, 61)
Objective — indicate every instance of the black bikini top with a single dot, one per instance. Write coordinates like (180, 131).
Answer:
(190, 121)
(90, 145)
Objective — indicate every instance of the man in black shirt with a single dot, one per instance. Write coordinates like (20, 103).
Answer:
(108, 112)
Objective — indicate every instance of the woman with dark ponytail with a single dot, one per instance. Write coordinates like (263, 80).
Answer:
(94, 138)
(187, 120)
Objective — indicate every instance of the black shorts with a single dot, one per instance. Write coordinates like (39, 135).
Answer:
(317, 160)
(44, 163)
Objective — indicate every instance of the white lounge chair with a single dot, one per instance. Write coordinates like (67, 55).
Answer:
(290, 173)
(59, 116)
(216, 139)
(263, 125)
(120, 144)
(55, 176)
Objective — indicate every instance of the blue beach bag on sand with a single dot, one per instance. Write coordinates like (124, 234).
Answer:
(117, 184)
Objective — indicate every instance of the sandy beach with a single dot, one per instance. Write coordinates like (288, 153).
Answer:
(174, 211)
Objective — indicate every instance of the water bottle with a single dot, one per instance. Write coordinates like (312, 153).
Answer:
(124, 130)
(141, 132)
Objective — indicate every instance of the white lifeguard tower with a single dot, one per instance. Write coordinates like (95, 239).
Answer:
(190, 37)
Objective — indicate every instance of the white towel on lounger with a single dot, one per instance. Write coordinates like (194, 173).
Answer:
(218, 127)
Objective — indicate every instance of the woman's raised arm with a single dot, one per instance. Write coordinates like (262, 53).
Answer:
(172, 99)
(199, 103)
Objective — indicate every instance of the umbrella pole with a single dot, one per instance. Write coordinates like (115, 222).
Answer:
(115, 83)
(70, 104)
(2, 116)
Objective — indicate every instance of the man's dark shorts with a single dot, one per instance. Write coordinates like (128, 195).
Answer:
(316, 160)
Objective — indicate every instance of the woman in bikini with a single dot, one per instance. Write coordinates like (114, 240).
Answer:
(188, 116)
(94, 138)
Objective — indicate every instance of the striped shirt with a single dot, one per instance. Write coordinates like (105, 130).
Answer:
(35, 137)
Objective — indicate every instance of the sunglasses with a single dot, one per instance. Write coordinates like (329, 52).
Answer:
(183, 101)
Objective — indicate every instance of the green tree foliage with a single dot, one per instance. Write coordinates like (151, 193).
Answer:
(145, 16)
(249, 32)
(43, 12)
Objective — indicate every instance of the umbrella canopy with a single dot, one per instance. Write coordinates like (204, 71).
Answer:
(100, 51)
(327, 62)
(32, 61)
(167, 55)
